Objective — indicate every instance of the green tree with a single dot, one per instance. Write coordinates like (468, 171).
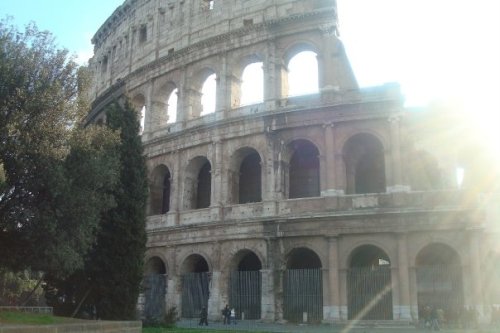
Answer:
(111, 278)
(118, 259)
(54, 177)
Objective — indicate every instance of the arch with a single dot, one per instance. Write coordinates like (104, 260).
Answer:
(303, 258)
(303, 286)
(252, 84)
(195, 279)
(208, 94)
(439, 280)
(302, 76)
(369, 285)
(245, 284)
(365, 165)
(164, 104)
(154, 288)
(246, 176)
(197, 184)
(155, 265)
(160, 189)
(139, 104)
(172, 106)
(304, 170)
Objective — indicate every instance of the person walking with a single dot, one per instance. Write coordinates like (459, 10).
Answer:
(434, 319)
(203, 317)
(226, 314)
(233, 317)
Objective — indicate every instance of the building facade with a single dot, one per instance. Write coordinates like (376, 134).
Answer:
(336, 204)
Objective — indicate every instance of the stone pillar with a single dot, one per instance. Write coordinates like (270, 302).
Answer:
(267, 301)
(175, 294)
(403, 312)
(395, 183)
(148, 117)
(331, 186)
(335, 71)
(223, 89)
(343, 312)
(214, 305)
(176, 187)
(216, 161)
(475, 273)
(333, 279)
(413, 293)
(275, 82)
(159, 116)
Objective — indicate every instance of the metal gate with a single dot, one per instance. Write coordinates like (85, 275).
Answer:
(440, 286)
(369, 293)
(245, 293)
(154, 295)
(194, 293)
(303, 293)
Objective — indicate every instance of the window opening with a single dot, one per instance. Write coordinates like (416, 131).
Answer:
(208, 92)
(172, 106)
(252, 85)
(303, 74)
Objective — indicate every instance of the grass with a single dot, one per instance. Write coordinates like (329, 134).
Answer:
(15, 317)
(189, 330)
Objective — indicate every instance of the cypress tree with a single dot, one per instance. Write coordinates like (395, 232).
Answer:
(117, 262)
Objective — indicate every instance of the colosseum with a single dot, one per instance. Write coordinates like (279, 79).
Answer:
(307, 199)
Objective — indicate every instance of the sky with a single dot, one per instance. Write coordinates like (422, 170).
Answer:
(438, 50)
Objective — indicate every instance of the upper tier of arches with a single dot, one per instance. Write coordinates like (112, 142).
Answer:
(169, 71)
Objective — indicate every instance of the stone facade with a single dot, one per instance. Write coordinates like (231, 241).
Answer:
(342, 181)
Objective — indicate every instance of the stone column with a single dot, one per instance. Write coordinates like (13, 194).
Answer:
(267, 301)
(343, 312)
(333, 279)
(213, 299)
(275, 82)
(176, 187)
(331, 186)
(413, 292)
(223, 90)
(216, 186)
(475, 273)
(403, 277)
(395, 183)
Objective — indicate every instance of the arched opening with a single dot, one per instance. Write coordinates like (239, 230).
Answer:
(303, 287)
(303, 74)
(369, 287)
(303, 170)
(139, 104)
(154, 289)
(250, 179)
(204, 186)
(245, 285)
(252, 84)
(439, 280)
(195, 279)
(365, 165)
(208, 95)
(159, 195)
(197, 189)
(172, 106)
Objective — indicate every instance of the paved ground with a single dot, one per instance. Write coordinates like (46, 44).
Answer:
(256, 326)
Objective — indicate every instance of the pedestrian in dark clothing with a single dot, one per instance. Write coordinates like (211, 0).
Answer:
(203, 317)
(434, 319)
(226, 313)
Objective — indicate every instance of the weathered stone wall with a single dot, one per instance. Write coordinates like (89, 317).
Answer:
(146, 49)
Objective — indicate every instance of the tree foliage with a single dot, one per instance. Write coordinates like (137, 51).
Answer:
(112, 274)
(54, 177)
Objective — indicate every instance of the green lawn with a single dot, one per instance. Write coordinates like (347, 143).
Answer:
(15, 317)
